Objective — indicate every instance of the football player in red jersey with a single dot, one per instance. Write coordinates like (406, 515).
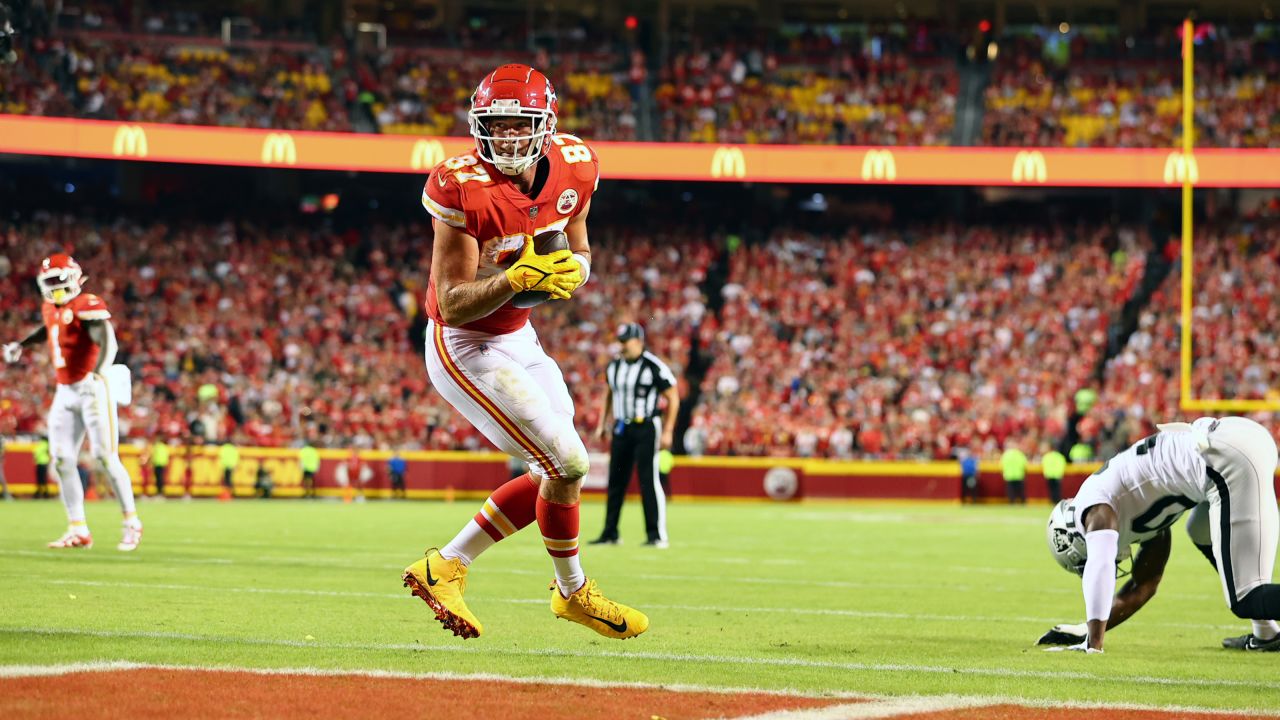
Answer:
(82, 342)
(483, 356)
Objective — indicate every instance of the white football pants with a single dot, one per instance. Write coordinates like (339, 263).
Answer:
(79, 409)
(512, 392)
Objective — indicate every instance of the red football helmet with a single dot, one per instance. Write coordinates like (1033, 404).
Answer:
(513, 91)
(60, 278)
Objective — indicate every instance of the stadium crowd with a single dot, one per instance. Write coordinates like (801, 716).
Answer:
(1127, 98)
(229, 336)
(1234, 326)
(876, 344)
(1046, 90)
(754, 95)
(912, 344)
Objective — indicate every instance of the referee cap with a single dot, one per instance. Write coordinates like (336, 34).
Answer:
(630, 331)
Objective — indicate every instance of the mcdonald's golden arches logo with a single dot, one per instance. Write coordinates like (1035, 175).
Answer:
(279, 148)
(129, 140)
(879, 165)
(1179, 168)
(426, 154)
(728, 162)
(1029, 166)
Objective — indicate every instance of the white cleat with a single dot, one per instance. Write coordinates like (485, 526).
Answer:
(129, 541)
(73, 539)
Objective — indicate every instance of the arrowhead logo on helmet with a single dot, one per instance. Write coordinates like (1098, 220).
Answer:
(513, 92)
(60, 278)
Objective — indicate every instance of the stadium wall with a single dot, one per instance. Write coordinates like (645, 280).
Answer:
(450, 475)
(460, 475)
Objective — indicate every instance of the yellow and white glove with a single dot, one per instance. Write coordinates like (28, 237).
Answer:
(12, 352)
(557, 273)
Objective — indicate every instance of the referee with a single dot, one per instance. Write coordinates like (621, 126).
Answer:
(636, 379)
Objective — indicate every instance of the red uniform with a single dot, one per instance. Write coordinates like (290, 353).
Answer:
(473, 196)
(74, 352)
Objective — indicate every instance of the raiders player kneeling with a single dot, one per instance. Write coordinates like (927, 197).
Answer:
(1223, 470)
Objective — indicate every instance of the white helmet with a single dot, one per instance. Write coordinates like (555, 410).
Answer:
(1066, 541)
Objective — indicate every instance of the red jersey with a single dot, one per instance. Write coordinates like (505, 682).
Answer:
(473, 196)
(74, 353)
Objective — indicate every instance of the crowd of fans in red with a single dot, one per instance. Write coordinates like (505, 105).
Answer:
(877, 344)
(318, 350)
(879, 90)
(911, 344)
(1235, 321)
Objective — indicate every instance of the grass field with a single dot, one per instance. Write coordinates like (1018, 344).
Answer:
(882, 598)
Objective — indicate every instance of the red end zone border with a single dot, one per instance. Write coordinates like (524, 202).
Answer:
(139, 691)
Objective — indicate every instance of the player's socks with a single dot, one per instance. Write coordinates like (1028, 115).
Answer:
(559, 525)
(131, 520)
(79, 527)
(122, 483)
(1265, 629)
(508, 510)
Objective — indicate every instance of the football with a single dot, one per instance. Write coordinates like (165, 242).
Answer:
(543, 243)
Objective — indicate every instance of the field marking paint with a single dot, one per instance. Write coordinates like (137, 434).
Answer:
(872, 705)
(21, 671)
(866, 614)
(886, 708)
(641, 655)
(498, 569)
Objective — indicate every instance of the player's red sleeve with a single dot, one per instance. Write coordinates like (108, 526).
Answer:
(442, 197)
(92, 307)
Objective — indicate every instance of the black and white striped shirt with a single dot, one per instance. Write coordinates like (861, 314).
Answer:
(636, 385)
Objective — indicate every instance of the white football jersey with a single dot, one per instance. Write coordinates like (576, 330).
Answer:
(1149, 485)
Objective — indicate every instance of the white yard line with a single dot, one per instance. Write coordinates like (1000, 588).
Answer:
(885, 708)
(871, 706)
(819, 612)
(822, 613)
(305, 561)
(480, 649)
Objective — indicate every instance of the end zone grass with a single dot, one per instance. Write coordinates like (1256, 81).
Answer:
(884, 598)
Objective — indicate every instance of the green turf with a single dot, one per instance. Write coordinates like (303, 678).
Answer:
(892, 598)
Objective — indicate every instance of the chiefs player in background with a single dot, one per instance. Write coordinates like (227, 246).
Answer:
(484, 357)
(82, 344)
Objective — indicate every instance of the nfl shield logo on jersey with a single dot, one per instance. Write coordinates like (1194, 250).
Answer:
(567, 202)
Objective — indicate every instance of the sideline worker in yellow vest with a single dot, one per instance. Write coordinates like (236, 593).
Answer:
(1013, 463)
(1054, 467)
(160, 464)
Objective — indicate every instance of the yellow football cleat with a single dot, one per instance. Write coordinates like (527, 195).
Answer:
(588, 607)
(440, 583)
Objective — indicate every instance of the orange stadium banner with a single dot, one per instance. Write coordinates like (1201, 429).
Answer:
(1045, 167)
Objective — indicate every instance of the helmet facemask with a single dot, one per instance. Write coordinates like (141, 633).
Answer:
(511, 152)
(59, 285)
(1067, 544)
